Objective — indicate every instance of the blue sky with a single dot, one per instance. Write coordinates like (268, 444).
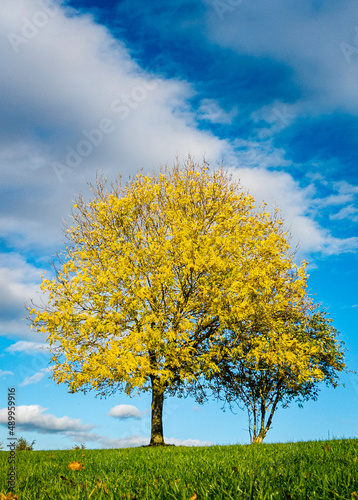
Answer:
(266, 88)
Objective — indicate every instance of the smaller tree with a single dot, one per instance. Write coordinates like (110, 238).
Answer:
(271, 370)
(81, 446)
(23, 445)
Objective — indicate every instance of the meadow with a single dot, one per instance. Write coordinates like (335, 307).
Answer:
(289, 471)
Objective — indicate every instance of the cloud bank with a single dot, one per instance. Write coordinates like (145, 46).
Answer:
(33, 418)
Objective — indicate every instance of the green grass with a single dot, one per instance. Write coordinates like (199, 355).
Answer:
(307, 470)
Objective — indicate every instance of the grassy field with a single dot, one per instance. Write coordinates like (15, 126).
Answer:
(307, 470)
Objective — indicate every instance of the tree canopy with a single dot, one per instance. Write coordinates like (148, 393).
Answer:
(156, 276)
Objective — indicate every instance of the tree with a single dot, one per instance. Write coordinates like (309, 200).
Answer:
(275, 369)
(154, 273)
(23, 445)
(79, 447)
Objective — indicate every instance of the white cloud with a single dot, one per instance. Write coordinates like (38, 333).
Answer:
(336, 246)
(348, 212)
(19, 281)
(343, 194)
(279, 189)
(107, 442)
(334, 199)
(32, 418)
(27, 347)
(37, 377)
(125, 411)
(304, 35)
(262, 155)
(130, 441)
(277, 115)
(210, 110)
(344, 187)
(188, 442)
(74, 97)
(5, 373)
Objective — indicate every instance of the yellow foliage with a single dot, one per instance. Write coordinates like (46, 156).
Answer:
(154, 274)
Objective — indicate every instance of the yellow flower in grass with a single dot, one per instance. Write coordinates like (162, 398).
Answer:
(75, 466)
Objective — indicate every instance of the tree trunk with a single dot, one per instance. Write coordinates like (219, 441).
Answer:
(258, 438)
(156, 436)
(265, 428)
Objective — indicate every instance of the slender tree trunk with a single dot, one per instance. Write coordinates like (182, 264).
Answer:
(156, 436)
(275, 403)
(264, 428)
(258, 438)
(255, 421)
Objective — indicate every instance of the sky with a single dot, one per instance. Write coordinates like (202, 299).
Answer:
(267, 89)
